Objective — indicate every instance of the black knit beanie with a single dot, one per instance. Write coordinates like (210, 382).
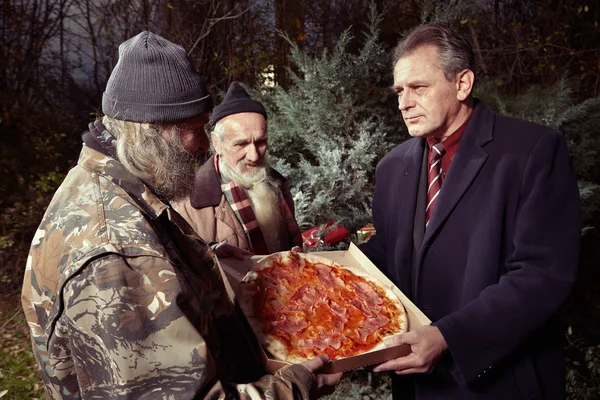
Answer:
(153, 82)
(236, 101)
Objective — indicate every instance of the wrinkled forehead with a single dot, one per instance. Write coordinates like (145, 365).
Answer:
(419, 63)
(426, 55)
(244, 125)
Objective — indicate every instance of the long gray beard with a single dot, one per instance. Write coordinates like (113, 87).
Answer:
(180, 164)
(244, 180)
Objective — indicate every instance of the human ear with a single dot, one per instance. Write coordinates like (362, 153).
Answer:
(464, 84)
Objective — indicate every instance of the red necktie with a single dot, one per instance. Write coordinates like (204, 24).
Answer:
(434, 177)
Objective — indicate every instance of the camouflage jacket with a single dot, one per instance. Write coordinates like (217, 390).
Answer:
(124, 301)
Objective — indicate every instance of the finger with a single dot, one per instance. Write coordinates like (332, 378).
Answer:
(386, 366)
(411, 337)
(316, 363)
(392, 341)
(297, 249)
(329, 379)
(411, 371)
(398, 364)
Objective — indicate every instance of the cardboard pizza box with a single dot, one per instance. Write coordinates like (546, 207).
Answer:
(235, 270)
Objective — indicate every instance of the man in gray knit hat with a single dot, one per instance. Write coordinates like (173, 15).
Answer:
(122, 299)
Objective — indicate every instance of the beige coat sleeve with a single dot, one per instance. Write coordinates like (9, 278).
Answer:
(214, 224)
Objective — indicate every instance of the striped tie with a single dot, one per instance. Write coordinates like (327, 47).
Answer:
(434, 178)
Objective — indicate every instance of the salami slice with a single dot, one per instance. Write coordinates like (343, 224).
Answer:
(301, 305)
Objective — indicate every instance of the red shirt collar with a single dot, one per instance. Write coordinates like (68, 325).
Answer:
(451, 142)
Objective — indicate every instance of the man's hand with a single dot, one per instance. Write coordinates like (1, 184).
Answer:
(226, 250)
(427, 345)
(325, 382)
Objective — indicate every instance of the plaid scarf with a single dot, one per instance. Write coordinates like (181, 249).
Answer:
(240, 203)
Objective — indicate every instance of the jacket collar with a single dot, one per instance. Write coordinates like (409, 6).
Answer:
(207, 186)
(99, 156)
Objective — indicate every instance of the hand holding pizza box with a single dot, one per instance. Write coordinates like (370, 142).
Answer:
(427, 346)
(312, 322)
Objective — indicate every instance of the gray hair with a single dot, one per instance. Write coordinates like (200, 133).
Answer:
(158, 159)
(455, 52)
(219, 130)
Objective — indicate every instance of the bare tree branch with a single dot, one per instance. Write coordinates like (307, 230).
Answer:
(205, 31)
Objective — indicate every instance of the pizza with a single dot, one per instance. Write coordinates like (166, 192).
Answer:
(301, 305)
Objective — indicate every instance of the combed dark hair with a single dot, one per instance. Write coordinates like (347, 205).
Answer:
(455, 51)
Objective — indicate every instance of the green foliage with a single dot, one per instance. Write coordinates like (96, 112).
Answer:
(590, 204)
(19, 221)
(363, 385)
(582, 368)
(331, 126)
(581, 125)
(6, 242)
(547, 105)
(450, 13)
(49, 182)
(19, 377)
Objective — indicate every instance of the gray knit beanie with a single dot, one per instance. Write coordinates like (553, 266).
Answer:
(153, 82)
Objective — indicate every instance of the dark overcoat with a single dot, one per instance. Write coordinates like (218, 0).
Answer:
(495, 264)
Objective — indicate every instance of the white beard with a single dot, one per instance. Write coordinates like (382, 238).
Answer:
(264, 199)
(265, 204)
(244, 180)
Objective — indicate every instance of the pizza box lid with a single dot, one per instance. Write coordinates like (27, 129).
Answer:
(234, 271)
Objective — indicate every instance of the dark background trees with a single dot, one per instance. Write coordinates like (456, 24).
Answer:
(536, 59)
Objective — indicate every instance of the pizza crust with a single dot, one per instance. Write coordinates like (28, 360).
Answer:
(278, 349)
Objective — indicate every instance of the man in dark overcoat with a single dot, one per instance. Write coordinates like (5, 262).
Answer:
(478, 223)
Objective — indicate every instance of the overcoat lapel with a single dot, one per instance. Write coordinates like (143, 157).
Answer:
(468, 161)
(409, 182)
(419, 222)
(404, 196)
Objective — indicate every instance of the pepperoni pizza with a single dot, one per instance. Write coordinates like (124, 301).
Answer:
(301, 305)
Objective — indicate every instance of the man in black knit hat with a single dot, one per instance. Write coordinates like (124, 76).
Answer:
(237, 197)
(123, 300)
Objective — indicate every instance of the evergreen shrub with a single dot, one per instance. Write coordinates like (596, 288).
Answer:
(331, 126)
